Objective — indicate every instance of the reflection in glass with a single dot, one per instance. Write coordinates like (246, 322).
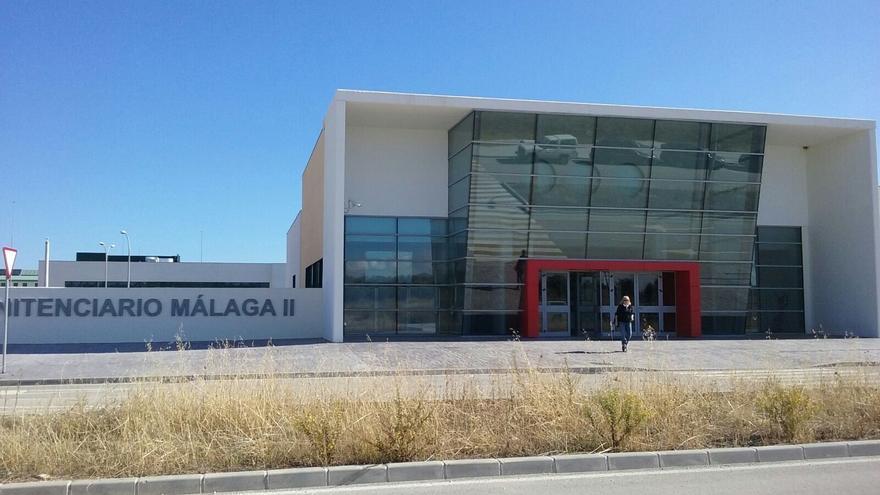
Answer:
(779, 254)
(741, 138)
(617, 220)
(649, 289)
(570, 219)
(564, 160)
(668, 222)
(682, 165)
(676, 194)
(496, 243)
(416, 297)
(561, 191)
(370, 247)
(729, 223)
(570, 245)
(358, 297)
(500, 189)
(726, 248)
(725, 274)
(505, 126)
(671, 247)
(779, 234)
(615, 246)
(735, 167)
(680, 135)
(370, 225)
(370, 272)
(566, 129)
(459, 194)
(619, 193)
(415, 248)
(728, 196)
(629, 164)
(499, 217)
(513, 158)
(460, 165)
(461, 134)
(420, 322)
(415, 273)
(624, 133)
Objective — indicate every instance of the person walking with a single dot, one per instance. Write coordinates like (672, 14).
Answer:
(625, 316)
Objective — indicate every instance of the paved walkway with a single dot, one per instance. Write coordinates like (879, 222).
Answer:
(445, 357)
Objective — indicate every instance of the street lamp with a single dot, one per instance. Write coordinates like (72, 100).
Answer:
(128, 243)
(107, 248)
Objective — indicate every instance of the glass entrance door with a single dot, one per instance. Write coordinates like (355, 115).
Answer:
(588, 304)
(654, 308)
(555, 304)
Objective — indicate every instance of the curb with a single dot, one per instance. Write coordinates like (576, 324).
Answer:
(312, 477)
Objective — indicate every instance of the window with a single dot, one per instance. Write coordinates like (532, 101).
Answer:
(315, 274)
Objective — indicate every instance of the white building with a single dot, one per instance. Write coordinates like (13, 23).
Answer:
(428, 214)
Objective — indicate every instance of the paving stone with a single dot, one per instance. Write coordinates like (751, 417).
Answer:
(864, 448)
(776, 453)
(416, 471)
(355, 475)
(170, 485)
(825, 450)
(633, 460)
(684, 458)
(733, 455)
(233, 482)
(472, 468)
(296, 478)
(35, 488)
(580, 463)
(114, 486)
(526, 465)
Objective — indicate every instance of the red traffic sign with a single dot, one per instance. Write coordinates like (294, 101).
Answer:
(9, 260)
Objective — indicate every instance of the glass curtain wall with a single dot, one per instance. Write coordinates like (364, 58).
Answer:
(582, 187)
(396, 275)
(778, 295)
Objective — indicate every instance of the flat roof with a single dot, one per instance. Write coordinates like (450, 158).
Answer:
(423, 111)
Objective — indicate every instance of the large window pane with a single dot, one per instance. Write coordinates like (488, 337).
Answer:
(671, 247)
(460, 165)
(416, 273)
(724, 323)
(741, 138)
(489, 298)
(492, 271)
(572, 245)
(724, 298)
(677, 194)
(784, 299)
(668, 222)
(779, 234)
(458, 245)
(629, 164)
(499, 217)
(358, 297)
(415, 248)
(419, 322)
(505, 126)
(515, 158)
(461, 135)
(561, 191)
(624, 133)
(732, 197)
(735, 167)
(571, 219)
(620, 193)
(566, 129)
(359, 321)
(679, 135)
(496, 243)
(459, 194)
(370, 225)
(729, 223)
(564, 160)
(726, 248)
(615, 246)
(416, 297)
(489, 323)
(458, 220)
(783, 322)
(500, 189)
(779, 254)
(725, 273)
(370, 247)
(370, 272)
(683, 165)
(780, 277)
(617, 220)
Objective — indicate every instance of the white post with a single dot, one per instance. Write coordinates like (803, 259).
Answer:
(5, 325)
(46, 269)
(128, 244)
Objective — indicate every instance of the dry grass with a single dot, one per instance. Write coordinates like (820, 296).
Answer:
(242, 424)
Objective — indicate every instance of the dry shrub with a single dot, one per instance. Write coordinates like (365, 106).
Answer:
(267, 423)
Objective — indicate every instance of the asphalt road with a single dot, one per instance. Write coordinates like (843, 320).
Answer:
(848, 476)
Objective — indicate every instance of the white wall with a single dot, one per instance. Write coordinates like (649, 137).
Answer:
(294, 250)
(62, 271)
(46, 326)
(334, 217)
(843, 234)
(396, 172)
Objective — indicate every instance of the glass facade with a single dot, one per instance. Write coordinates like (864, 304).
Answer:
(582, 187)
(778, 295)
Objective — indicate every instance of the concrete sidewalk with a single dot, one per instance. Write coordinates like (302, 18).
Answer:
(442, 357)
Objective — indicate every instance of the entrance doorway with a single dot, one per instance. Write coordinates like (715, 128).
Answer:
(652, 294)
(555, 304)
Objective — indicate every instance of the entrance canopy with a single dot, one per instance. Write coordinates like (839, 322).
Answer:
(687, 288)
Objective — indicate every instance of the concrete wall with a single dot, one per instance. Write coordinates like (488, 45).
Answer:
(294, 248)
(843, 234)
(334, 218)
(312, 214)
(92, 322)
(62, 271)
(396, 172)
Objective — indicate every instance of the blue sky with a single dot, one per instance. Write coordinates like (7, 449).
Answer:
(174, 118)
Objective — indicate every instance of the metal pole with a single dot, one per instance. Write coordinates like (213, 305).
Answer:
(128, 244)
(46, 259)
(5, 325)
(106, 265)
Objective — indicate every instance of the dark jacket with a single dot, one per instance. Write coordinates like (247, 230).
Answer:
(625, 314)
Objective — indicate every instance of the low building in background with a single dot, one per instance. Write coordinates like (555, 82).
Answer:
(20, 278)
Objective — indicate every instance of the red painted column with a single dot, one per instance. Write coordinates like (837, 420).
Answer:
(530, 298)
(687, 302)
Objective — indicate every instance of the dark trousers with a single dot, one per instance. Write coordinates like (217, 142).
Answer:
(626, 331)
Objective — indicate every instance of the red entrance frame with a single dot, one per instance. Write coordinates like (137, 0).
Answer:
(687, 288)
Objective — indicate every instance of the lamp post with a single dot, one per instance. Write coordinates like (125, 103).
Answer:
(128, 244)
(107, 248)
